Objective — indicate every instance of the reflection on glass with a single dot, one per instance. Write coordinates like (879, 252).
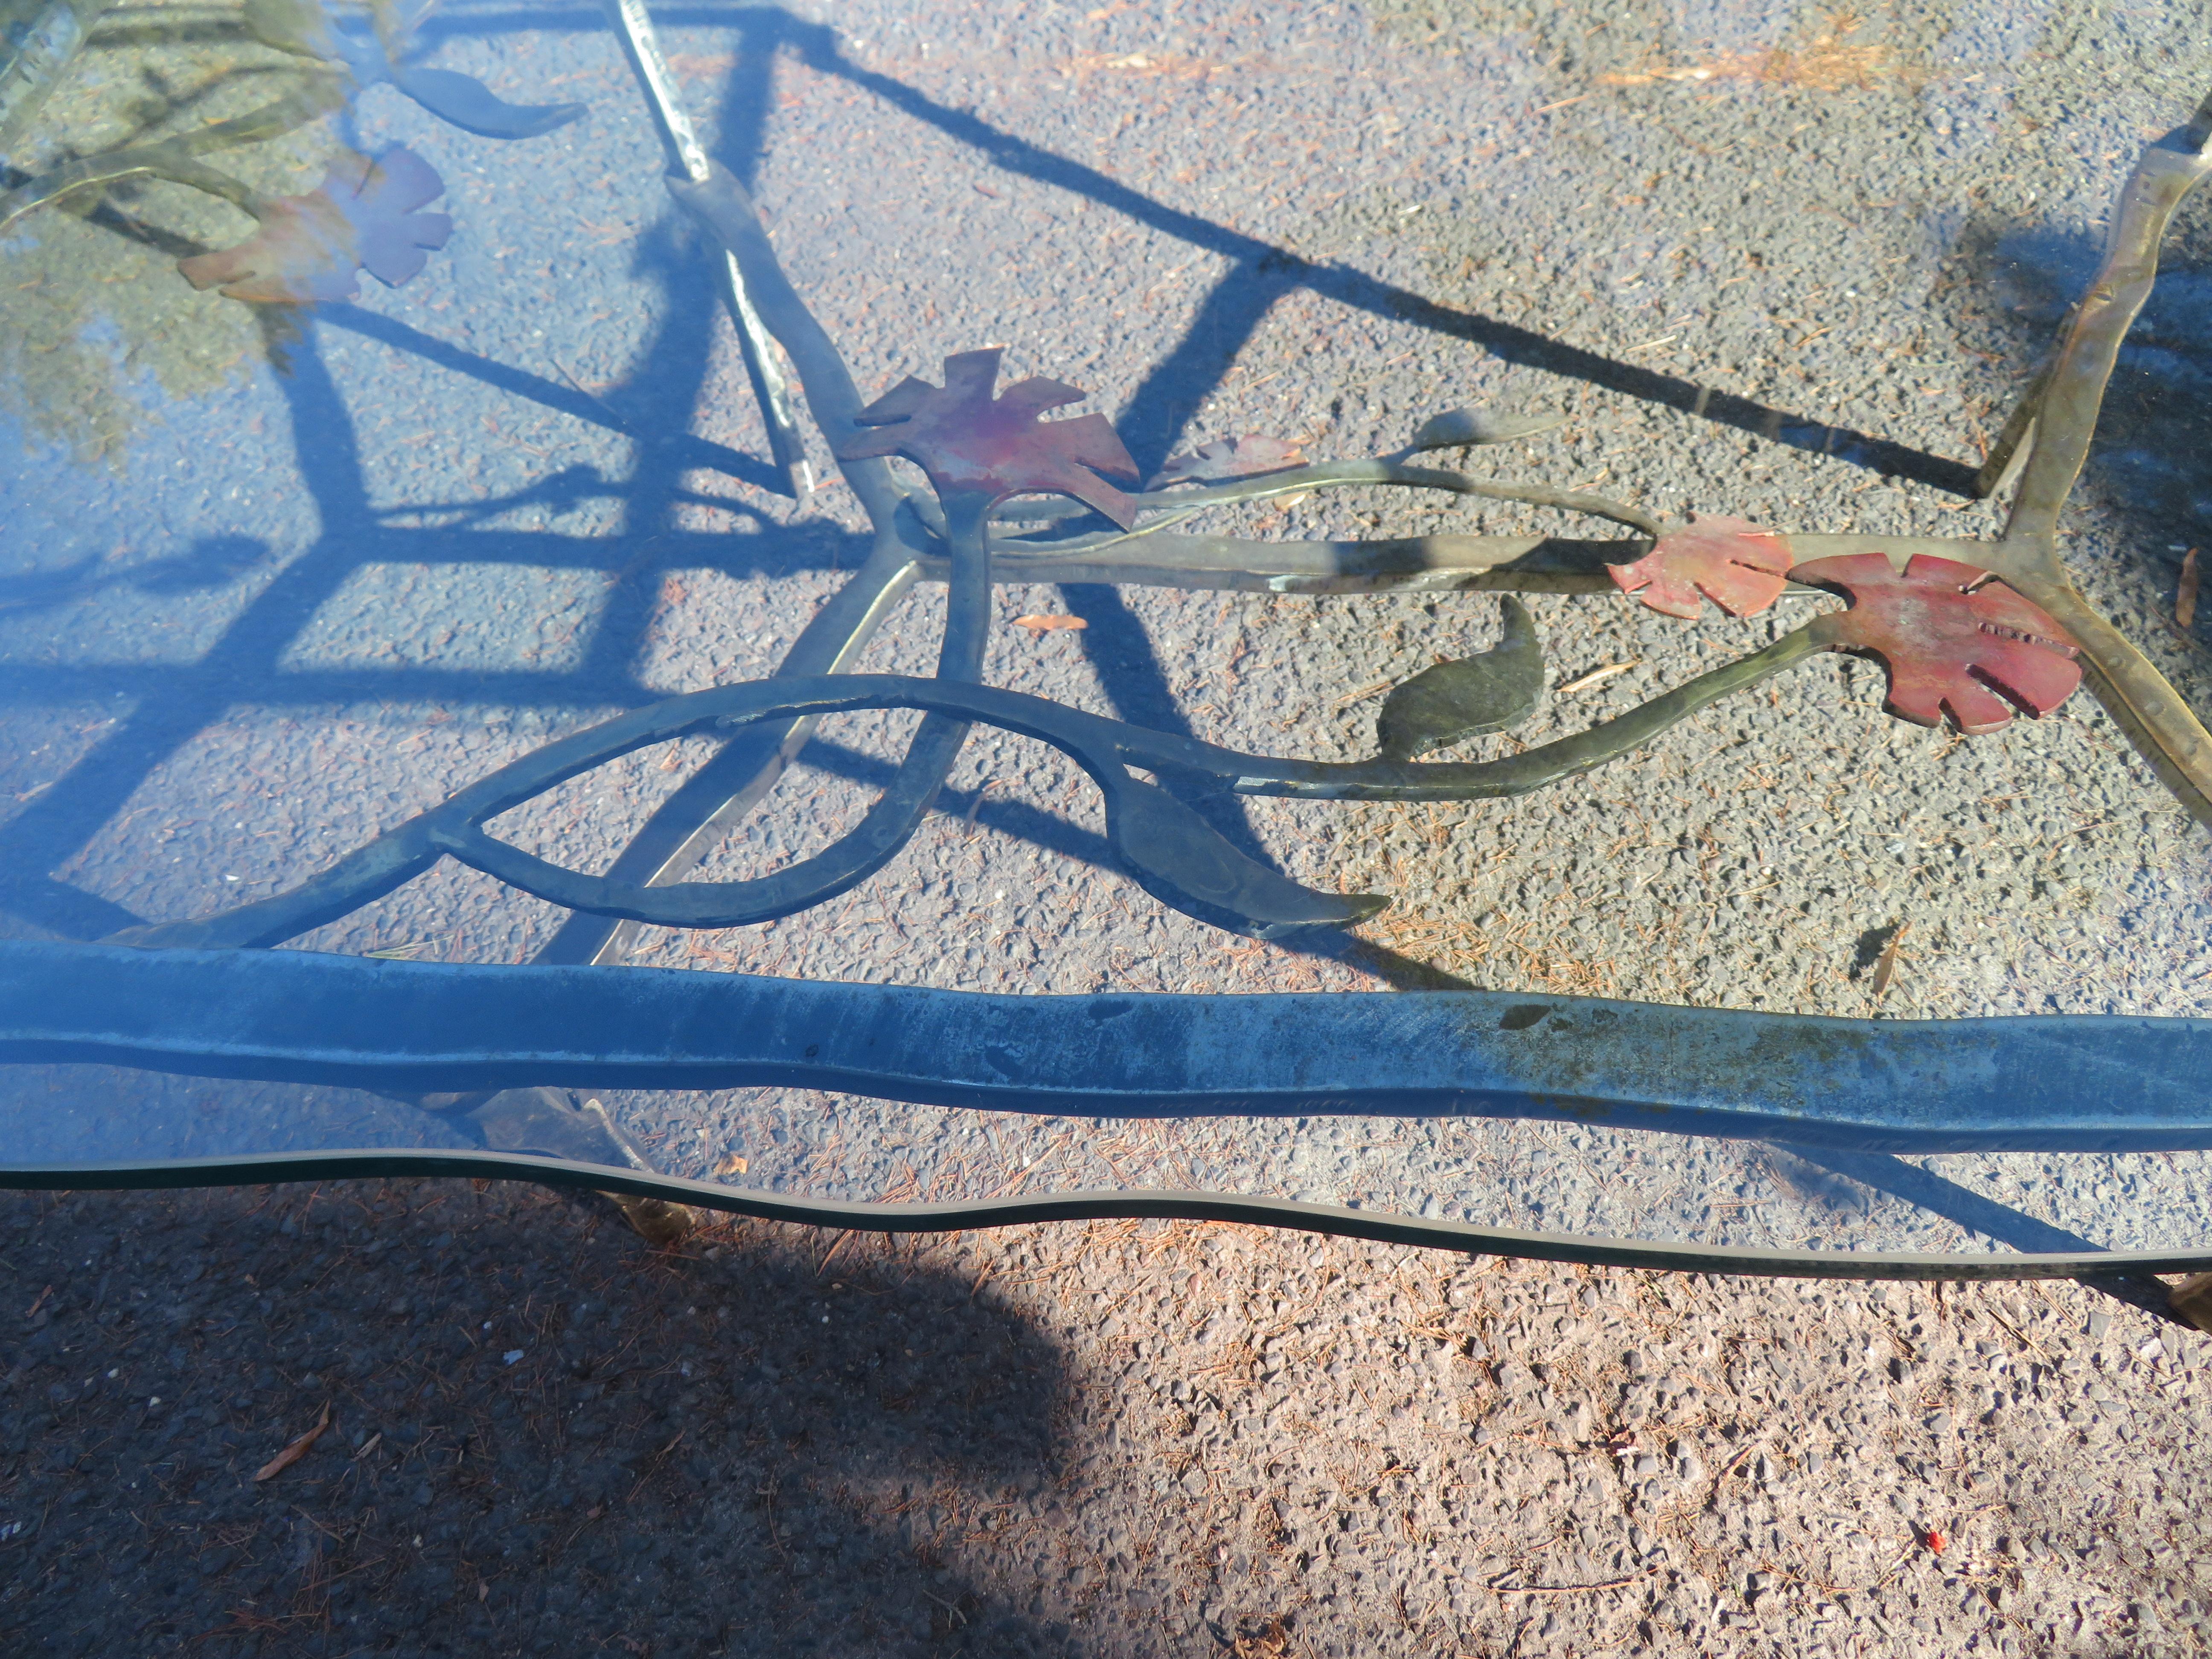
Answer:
(1704, 517)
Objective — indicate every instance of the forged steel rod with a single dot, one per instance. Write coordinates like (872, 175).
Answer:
(688, 826)
(1106, 749)
(2064, 403)
(641, 46)
(691, 823)
(1441, 563)
(2035, 1083)
(1664, 1255)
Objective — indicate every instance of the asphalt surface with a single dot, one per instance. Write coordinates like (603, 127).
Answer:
(253, 617)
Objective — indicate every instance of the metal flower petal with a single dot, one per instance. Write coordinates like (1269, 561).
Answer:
(309, 247)
(970, 442)
(1953, 638)
(1732, 561)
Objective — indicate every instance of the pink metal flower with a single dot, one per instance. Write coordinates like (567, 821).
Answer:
(309, 247)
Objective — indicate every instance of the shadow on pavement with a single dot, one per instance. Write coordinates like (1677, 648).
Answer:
(542, 1437)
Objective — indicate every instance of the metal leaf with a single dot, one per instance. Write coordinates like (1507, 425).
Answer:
(969, 442)
(467, 103)
(1466, 697)
(1954, 639)
(1187, 864)
(299, 27)
(309, 247)
(1229, 457)
(1732, 561)
(1455, 429)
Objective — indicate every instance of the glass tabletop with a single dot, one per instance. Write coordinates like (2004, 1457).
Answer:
(1536, 629)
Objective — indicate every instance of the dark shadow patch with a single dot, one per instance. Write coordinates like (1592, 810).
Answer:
(537, 1424)
(1866, 955)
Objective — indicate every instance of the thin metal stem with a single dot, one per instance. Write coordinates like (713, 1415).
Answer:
(174, 158)
(641, 45)
(1106, 749)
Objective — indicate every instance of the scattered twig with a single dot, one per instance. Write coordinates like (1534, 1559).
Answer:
(1886, 969)
(298, 1449)
(835, 1245)
(977, 804)
(1573, 1590)
(1595, 677)
(1363, 693)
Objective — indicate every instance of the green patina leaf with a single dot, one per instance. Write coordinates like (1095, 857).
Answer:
(1465, 698)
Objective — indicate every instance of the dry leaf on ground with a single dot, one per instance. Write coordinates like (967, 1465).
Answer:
(1886, 969)
(309, 247)
(1827, 64)
(2185, 595)
(1049, 625)
(298, 1449)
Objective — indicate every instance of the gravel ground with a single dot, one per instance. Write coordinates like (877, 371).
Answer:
(1124, 1438)
(248, 630)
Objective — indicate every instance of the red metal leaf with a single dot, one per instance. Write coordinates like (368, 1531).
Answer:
(970, 442)
(1732, 561)
(1953, 638)
(309, 247)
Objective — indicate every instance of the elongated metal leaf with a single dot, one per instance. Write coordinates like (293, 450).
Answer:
(1187, 864)
(1228, 458)
(1455, 429)
(1466, 697)
(470, 104)
(299, 27)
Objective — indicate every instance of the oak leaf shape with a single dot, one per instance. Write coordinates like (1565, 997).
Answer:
(1229, 457)
(1732, 561)
(309, 247)
(971, 443)
(1953, 638)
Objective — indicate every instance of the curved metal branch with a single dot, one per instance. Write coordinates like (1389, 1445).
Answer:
(725, 207)
(1329, 474)
(2066, 400)
(1419, 564)
(641, 45)
(173, 159)
(1153, 834)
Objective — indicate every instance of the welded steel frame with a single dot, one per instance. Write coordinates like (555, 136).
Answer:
(208, 997)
